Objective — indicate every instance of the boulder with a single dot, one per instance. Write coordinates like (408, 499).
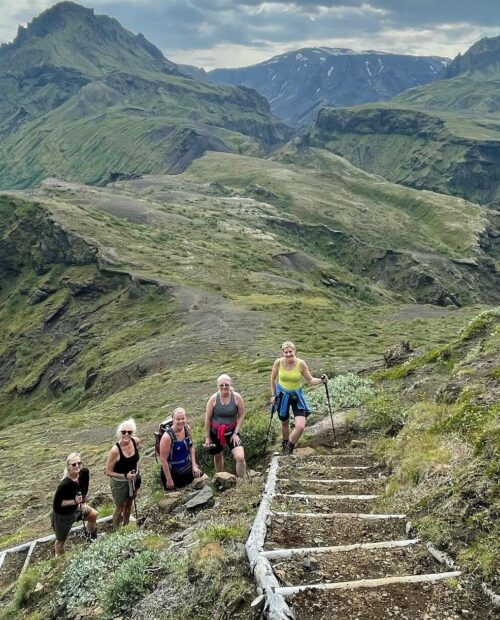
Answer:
(170, 501)
(200, 498)
(224, 480)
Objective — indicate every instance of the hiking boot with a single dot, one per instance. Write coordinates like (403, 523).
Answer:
(284, 446)
(289, 448)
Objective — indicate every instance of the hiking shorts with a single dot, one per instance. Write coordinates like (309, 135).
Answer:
(120, 490)
(217, 448)
(293, 404)
(62, 524)
(181, 478)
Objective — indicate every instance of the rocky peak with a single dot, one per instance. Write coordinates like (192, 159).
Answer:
(483, 56)
(71, 35)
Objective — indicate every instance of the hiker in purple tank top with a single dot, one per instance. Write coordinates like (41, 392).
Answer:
(224, 415)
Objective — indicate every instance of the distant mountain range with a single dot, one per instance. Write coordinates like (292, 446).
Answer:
(444, 136)
(84, 99)
(299, 83)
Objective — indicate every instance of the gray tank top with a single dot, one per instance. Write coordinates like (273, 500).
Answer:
(225, 414)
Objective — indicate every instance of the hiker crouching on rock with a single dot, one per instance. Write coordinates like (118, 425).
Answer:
(224, 415)
(287, 378)
(122, 466)
(177, 454)
(69, 503)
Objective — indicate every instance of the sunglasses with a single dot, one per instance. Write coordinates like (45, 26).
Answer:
(127, 432)
(224, 385)
(79, 464)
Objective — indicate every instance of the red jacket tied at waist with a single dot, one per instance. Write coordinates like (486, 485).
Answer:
(222, 429)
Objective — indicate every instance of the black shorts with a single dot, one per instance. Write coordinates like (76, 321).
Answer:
(293, 403)
(62, 524)
(217, 448)
(181, 478)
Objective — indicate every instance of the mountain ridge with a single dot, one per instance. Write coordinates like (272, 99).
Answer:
(297, 84)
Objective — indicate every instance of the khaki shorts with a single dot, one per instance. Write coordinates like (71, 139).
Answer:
(120, 490)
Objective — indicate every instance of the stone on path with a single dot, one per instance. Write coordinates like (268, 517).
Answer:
(224, 481)
(170, 501)
(200, 498)
(306, 451)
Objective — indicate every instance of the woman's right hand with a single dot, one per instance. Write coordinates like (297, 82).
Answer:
(208, 443)
(170, 484)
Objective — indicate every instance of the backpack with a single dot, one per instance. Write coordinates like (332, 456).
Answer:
(166, 427)
(162, 428)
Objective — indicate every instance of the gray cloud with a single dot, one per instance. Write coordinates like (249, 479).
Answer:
(236, 32)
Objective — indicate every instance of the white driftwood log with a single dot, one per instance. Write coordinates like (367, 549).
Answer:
(276, 606)
(28, 558)
(332, 515)
(281, 554)
(320, 496)
(368, 583)
(50, 537)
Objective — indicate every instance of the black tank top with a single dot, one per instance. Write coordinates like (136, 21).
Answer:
(126, 463)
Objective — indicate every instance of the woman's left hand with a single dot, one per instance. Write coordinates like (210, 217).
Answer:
(196, 471)
(235, 440)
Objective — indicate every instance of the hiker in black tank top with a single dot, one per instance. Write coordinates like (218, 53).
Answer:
(224, 415)
(122, 466)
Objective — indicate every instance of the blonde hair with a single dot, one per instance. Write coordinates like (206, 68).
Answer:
(130, 422)
(226, 377)
(288, 344)
(69, 458)
(178, 410)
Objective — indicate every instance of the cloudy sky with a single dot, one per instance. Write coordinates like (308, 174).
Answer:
(231, 33)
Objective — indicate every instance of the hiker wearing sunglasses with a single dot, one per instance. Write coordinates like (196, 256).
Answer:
(287, 378)
(69, 504)
(224, 415)
(122, 468)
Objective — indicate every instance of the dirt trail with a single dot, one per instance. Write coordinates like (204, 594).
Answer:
(335, 556)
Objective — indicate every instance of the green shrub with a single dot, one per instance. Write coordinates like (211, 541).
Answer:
(384, 414)
(479, 323)
(347, 390)
(112, 573)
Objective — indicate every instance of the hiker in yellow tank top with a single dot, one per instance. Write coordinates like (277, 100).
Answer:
(287, 378)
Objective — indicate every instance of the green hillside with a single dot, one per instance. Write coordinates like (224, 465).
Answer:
(444, 136)
(86, 100)
(130, 299)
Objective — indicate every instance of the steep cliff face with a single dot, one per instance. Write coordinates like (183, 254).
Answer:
(413, 148)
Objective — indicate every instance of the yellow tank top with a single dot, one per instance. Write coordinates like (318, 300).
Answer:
(290, 379)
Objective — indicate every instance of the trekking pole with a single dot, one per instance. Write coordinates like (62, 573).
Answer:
(84, 531)
(132, 489)
(335, 443)
(273, 409)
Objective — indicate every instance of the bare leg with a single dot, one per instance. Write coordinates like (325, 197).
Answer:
(91, 518)
(118, 516)
(285, 430)
(59, 547)
(239, 457)
(127, 507)
(219, 462)
(300, 424)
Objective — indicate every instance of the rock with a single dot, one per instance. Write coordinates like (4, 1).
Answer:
(200, 498)
(198, 483)
(170, 501)
(38, 295)
(251, 473)
(310, 564)
(397, 354)
(224, 480)
(39, 587)
(306, 451)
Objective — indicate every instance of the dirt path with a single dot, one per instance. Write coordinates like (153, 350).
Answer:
(334, 556)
